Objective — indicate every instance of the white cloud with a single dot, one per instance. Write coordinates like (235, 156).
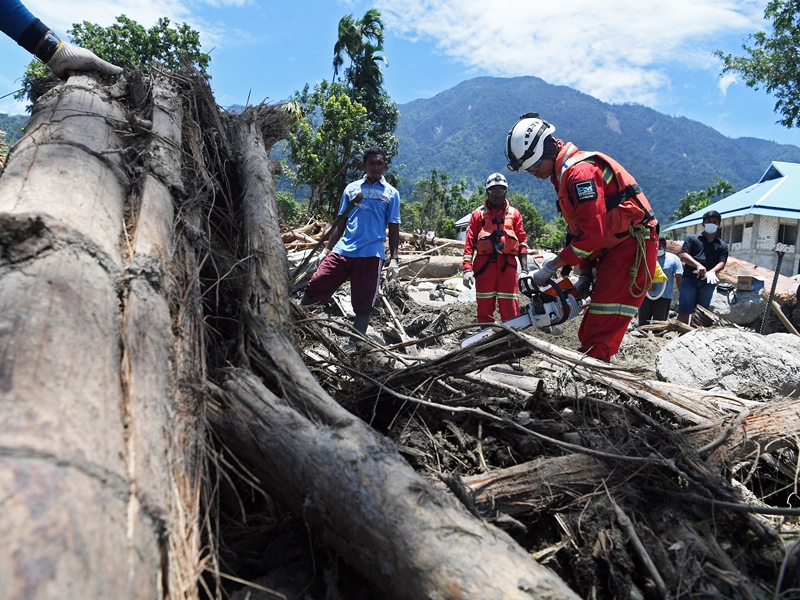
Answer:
(61, 16)
(726, 81)
(615, 50)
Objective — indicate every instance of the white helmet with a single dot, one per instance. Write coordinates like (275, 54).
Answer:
(525, 142)
(495, 179)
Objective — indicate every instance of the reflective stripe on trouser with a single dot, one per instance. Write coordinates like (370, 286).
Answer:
(613, 304)
(496, 285)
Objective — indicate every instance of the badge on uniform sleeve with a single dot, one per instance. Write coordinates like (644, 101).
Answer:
(585, 191)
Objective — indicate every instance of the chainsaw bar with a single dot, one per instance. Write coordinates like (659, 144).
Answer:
(521, 322)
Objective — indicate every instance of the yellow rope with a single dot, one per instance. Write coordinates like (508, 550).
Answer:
(641, 234)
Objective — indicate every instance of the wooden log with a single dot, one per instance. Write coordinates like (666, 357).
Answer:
(413, 238)
(765, 428)
(776, 308)
(83, 514)
(538, 485)
(430, 267)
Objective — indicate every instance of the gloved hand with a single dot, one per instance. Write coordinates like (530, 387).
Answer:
(584, 286)
(392, 270)
(73, 58)
(543, 275)
(712, 278)
(469, 279)
(523, 273)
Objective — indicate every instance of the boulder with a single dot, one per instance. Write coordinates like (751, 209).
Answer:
(741, 308)
(731, 359)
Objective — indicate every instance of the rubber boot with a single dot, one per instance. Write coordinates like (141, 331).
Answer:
(361, 322)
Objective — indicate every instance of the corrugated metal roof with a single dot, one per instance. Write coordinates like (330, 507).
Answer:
(777, 194)
(463, 220)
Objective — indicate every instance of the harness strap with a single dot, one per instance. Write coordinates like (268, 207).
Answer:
(631, 192)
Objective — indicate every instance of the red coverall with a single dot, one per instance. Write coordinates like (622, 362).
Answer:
(495, 272)
(600, 241)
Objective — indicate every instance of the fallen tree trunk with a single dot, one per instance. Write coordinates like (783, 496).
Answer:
(93, 487)
(551, 483)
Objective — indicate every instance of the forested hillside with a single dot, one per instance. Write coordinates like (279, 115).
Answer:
(462, 132)
(11, 124)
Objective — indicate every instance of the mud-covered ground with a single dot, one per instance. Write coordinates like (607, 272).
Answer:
(574, 528)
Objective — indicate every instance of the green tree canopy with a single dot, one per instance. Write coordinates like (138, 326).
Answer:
(773, 60)
(335, 123)
(129, 45)
(329, 135)
(438, 202)
(694, 201)
(361, 42)
(532, 221)
(555, 235)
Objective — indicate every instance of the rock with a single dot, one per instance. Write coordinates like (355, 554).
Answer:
(788, 342)
(424, 298)
(746, 308)
(730, 359)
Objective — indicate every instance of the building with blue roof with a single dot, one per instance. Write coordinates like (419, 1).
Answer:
(757, 219)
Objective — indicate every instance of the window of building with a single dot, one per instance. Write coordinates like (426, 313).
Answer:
(787, 234)
(738, 233)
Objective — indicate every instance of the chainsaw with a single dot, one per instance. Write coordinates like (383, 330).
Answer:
(549, 307)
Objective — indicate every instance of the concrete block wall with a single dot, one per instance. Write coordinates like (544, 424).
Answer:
(767, 233)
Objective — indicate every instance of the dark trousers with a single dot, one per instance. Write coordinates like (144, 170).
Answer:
(656, 310)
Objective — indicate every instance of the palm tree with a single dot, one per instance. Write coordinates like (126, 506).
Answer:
(361, 41)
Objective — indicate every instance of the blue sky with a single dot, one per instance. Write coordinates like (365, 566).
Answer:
(656, 53)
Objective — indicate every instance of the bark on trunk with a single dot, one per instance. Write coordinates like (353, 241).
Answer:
(97, 456)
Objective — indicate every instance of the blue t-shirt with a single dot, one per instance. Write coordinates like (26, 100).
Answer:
(365, 233)
(671, 265)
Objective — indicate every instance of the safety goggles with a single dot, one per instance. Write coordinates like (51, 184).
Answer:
(534, 167)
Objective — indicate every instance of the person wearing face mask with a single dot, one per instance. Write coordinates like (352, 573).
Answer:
(658, 309)
(496, 243)
(704, 255)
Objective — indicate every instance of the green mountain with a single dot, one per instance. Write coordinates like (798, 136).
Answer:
(462, 132)
(12, 125)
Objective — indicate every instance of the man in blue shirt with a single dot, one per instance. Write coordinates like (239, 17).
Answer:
(704, 255)
(658, 309)
(355, 249)
(20, 25)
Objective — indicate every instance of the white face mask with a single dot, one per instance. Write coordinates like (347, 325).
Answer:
(710, 227)
(662, 252)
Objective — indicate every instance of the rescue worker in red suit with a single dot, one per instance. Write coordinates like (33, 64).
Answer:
(614, 229)
(495, 244)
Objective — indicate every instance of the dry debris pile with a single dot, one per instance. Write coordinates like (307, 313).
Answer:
(625, 486)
